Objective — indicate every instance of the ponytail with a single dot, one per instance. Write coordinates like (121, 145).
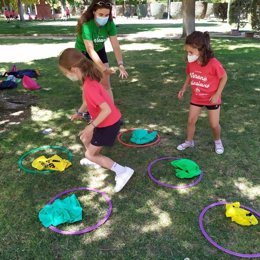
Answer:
(72, 57)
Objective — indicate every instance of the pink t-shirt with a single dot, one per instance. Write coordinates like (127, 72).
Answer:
(204, 80)
(94, 95)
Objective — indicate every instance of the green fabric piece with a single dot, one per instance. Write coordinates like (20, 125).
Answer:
(142, 136)
(67, 210)
(185, 168)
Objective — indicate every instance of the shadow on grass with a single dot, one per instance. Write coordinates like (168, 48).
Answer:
(148, 221)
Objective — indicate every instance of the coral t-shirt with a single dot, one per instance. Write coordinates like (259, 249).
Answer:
(94, 95)
(204, 80)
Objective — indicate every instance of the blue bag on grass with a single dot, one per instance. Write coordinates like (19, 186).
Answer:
(8, 84)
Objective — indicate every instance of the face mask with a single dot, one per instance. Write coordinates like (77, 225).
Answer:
(72, 77)
(192, 58)
(102, 20)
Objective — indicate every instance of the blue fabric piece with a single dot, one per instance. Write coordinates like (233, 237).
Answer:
(67, 210)
(142, 136)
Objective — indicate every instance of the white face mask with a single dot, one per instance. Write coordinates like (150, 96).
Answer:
(192, 58)
(72, 77)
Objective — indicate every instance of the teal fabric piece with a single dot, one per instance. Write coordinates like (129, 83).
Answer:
(67, 210)
(185, 168)
(142, 136)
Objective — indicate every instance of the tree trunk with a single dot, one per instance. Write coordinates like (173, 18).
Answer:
(20, 10)
(228, 11)
(188, 17)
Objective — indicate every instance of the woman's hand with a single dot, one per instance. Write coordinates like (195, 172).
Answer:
(122, 72)
(181, 93)
(109, 71)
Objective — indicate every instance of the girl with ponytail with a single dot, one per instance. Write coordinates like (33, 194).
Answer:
(105, 124)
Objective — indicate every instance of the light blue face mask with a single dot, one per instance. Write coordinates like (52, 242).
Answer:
(102, 20)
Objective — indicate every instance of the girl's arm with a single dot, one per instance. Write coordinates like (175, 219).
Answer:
(214, 99)
(94, 56)
(83, 108)
(105, 111)
(118, 55)
(184, 87)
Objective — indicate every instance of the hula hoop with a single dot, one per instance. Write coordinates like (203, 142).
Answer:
(20, 161)
(88, 229)
(119, 136)
(210, 240)
(149, 170)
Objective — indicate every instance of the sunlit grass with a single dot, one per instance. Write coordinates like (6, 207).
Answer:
(148, 221)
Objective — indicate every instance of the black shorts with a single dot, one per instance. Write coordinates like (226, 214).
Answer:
(211, 107)
(101, 54)
(105, 136)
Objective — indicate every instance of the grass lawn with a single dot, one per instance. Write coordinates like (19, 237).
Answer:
(148, 221)
(60, 27)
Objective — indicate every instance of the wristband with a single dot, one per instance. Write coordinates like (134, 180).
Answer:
(120, 63)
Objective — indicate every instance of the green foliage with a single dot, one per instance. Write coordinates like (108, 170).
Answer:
(220, 10)
(239, 11)
(255, 12)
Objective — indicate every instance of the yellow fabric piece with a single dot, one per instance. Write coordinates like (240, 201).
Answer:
(55, 163)
(240, 216)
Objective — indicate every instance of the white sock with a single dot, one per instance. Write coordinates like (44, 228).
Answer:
(117, 168)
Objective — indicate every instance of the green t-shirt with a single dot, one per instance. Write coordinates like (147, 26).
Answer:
(98, 34)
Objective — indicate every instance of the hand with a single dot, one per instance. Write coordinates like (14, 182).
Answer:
(181, 93)
(76, 116)
(109, 71)
(122, 72)
(86, 134)
(214, 99)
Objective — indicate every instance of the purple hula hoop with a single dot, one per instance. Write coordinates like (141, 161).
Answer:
(205, 234)
(149, 170)
(88, 229)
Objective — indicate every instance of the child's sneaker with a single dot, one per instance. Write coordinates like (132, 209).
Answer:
(87, 162)
(219, 148)
(123, 178)
(185, 145)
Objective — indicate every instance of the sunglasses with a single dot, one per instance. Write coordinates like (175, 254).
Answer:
(101, 3)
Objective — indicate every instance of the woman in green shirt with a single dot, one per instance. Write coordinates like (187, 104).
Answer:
(94, 27)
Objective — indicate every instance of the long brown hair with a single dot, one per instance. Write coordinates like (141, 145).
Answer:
(72, 57)
(201, 41)
(88, 14)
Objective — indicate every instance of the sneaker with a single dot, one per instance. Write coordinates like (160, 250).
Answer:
(87, 162)
(219, 148)
(185, 145)
(123, 178)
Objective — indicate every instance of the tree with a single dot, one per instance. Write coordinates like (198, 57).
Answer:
(188, 17)
(255, 12)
